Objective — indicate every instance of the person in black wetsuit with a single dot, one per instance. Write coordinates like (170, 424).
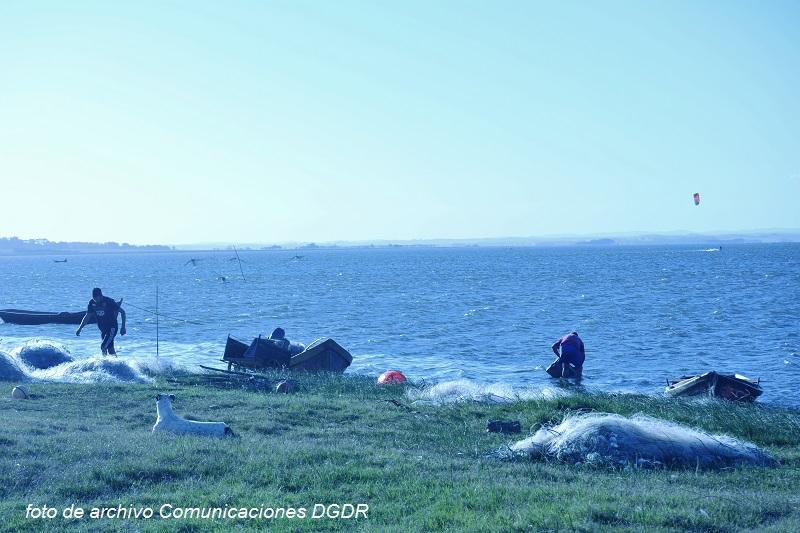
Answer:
(105, 310)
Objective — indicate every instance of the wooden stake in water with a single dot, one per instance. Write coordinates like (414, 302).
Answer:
(239, 260)
(156, 320)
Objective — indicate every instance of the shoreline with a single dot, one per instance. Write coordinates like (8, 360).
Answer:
(134, 369)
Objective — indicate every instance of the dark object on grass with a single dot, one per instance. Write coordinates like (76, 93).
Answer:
(725, 386)
(20, 393)
(234, 349)
(248, 375)
(325, 355)
(36, 318)
(260, 354)
(503, 426)
(267, 353)
(286, 386)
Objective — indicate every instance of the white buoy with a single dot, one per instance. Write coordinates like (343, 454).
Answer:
(20, 393)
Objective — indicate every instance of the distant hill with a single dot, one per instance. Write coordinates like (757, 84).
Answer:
(16, 246)
(598, 242)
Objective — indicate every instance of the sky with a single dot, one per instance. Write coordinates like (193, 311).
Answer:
(190, 122)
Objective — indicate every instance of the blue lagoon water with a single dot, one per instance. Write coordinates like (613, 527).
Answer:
(484, 314)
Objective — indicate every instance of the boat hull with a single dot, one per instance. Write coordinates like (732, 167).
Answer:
(260, 354)
(325, 356)
(37, 318)
(726, 386)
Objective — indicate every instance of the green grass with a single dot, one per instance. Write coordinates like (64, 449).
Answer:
(342, 439)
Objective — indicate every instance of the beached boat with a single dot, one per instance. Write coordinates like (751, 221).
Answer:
(727, 386)
(35, 318)
(259, 354)
(323, 355)
(326, 355)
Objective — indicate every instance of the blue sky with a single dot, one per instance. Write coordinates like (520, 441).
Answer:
(181, 122)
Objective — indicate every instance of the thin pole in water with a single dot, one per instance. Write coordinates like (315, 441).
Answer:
(156, 320)
(238, 260)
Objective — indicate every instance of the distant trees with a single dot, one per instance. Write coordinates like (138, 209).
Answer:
(17, 246)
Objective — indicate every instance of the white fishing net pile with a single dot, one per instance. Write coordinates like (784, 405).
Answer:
(43, 360)
(10, 369)
(41, 354)
(93, 370)
(639, 440)
(466, 390)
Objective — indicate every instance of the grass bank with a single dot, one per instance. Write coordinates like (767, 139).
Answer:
(342, 439)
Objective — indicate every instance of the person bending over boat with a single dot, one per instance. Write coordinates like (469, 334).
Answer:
(278, 337)
(572, 352)
(105, 310)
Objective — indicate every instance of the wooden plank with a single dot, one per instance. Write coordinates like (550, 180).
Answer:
(248, 374)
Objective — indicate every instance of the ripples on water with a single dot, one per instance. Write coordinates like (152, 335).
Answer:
(485, 314)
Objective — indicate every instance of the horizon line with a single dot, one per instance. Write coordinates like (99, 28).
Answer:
(532, 239)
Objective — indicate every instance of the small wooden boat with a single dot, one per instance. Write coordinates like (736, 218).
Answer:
(35, 318)
(726, 386)
(261, 354)
(326, 355)
(234, 349)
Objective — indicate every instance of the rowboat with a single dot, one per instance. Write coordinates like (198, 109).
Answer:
(726, 386)
(323, 355)
(35, 318)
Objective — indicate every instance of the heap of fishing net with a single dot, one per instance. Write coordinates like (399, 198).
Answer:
(10, 370)
(94, 370)
(640, 441)
(41, 354)
(466, 390)
(42, 360)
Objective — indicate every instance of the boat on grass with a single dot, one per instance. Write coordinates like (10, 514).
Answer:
(727, 386)
(322, 355)
(262, 354)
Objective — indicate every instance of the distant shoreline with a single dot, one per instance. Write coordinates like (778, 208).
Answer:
(42, 247)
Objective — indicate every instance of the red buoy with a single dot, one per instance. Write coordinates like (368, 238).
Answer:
(391, 376)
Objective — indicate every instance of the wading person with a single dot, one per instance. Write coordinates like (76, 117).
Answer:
(573, 354)
(104, 310)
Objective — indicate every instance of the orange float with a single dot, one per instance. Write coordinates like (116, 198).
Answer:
(391, 376)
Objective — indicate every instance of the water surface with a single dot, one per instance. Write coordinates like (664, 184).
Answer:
(487, 314)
